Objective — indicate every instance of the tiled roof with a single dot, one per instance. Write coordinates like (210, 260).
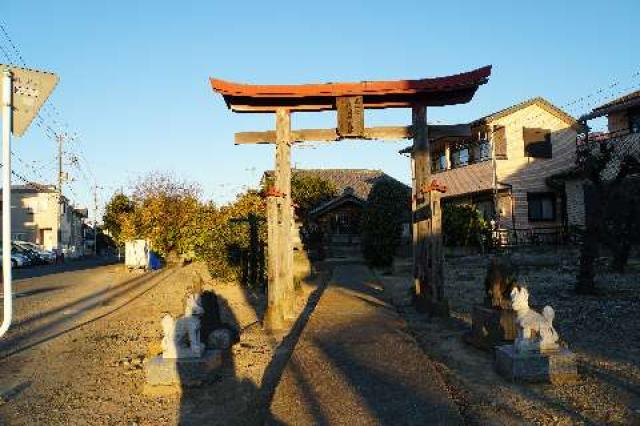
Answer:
(360, 180)
(627, 101)
(621, 100)
(539, 101)
(466, 180)
(346, 197)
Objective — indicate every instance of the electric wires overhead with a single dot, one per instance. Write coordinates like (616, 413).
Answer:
(78, 172)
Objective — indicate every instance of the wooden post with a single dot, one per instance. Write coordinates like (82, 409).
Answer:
(436, 257)
(427, 223)
(281, 295)
(272, 316)
(422, 175)
(414, 224)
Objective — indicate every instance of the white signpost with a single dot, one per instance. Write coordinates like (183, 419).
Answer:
(23, 92)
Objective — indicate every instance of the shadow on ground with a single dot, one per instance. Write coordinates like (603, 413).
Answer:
(231, 397)
(69, 266)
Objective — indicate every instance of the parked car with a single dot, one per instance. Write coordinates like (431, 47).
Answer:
(33, 257)
(46, 255)
(17, 260)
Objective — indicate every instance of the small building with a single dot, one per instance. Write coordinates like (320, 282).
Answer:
(505, 163)
(338, 219)
(34, 209)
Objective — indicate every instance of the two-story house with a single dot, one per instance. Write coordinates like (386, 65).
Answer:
(623, 125)
(34, 218)
(502, 168)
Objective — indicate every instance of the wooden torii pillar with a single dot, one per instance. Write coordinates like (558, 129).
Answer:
(281, 295)
(428, 257)
(350, 101)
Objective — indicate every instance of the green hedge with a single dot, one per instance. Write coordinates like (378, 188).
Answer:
(464, 226)
(382, 218)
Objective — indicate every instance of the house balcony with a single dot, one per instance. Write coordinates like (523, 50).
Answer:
(466, 179)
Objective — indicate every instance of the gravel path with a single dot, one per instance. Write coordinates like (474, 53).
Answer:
(356, 364)
(603, 331)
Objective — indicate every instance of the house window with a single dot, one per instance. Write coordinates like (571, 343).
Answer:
(542, 206)
(634, 120)
(438, 162)
(537, 142)
(442, 161)
(460, 156)
(485, 150)
(500, 139)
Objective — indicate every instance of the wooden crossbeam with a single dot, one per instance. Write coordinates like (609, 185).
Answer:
(370, 133)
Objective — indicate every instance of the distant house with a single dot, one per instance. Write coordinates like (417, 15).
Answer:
(34, 218)
(339, 218)
(531, 141)
(623, 125)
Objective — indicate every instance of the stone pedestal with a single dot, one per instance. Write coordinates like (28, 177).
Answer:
(551, 367)
(491, 327)
(182, 371)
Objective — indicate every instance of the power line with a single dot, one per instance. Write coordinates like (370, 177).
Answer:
(13, 46)
(48, 124)
(34, 185)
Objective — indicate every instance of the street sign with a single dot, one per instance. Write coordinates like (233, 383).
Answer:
(31, 89)
(22, 94)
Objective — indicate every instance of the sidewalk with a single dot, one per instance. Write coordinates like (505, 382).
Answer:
(356, 364)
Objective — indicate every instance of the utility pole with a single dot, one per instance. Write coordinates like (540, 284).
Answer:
(60, 139)
(7, 126)
(95, 220)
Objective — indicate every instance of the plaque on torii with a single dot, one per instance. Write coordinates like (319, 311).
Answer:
(350, 100)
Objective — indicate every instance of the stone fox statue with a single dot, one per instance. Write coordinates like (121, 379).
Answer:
(182, 335)
(500, 279)
(535, 331)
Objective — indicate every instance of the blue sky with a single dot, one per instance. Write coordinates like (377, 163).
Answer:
(134, 74)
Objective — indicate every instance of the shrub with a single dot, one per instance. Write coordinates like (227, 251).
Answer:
(464, 226)
(225, 243)
(382, 218)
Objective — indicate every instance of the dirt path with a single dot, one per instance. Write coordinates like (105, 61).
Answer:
(81, 338)
(76, 354)
(356, 364)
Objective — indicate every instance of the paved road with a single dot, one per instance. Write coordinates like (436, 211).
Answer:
(356, 364)
(52, 300)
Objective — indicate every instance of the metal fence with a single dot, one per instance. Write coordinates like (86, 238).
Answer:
(556, 235)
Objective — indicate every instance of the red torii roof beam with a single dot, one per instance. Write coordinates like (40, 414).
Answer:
(439, 91)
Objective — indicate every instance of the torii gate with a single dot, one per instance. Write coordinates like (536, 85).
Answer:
(350, 100)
